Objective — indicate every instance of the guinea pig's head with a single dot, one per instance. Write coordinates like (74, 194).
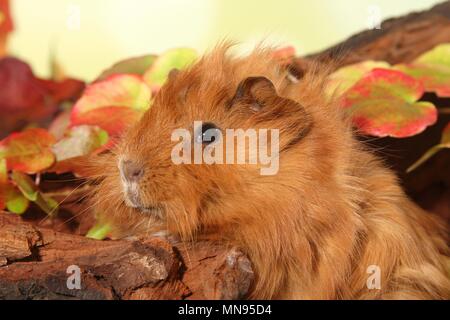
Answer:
(209, 148)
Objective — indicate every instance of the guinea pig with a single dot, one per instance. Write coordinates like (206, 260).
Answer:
(327, 218)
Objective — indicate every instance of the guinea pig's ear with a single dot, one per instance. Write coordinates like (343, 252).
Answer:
(253, 91)
(260, 94)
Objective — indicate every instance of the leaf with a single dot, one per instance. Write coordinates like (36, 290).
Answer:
(15, 201)
(99, 231)
(444, 144)
(10, 197)
(179, 58)
(28, 151)
(80, 141)
(433, 69)
(25, 185)
(123, 90)
(68, 89)
(113, 120)
(344, 78)
(30, 191)
(384, 103)
(23, 99)
(6, 25)
(60, 124)
(137, 65)
(3, 183)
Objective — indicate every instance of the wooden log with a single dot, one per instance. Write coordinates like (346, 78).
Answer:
(35, 263)
(398, 39)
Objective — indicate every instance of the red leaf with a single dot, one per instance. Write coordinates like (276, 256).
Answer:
(433, 69)
(384, 103)
(6, 25)
(66, 90)
(124, 90)
(22, 97)
(114, 120)
(28, 151)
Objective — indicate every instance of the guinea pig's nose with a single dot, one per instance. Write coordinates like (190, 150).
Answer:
(131, 170)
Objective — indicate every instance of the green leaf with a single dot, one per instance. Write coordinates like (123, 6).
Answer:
(99, 231)
(30, 191)
(26, 185)
(344, 78)
(28, 151)
(15, 201)
(384, 103)
(445, 144)
(137, 65)
(124, 90)
(433, 69)
(3, 183)
(179, 59)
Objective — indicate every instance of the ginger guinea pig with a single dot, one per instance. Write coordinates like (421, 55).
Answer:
(313, 220)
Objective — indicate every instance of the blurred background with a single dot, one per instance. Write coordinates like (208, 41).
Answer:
(87, 36)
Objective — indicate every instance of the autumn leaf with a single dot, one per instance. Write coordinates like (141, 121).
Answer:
(3, 183)
(10, 197)
(344, 78)
(68, 89)
(60, 124)
(22, 97)
(99, 231)
(6, 25)
(114, 120)
(433, 69)
(28, 151)
(31, 192)
(384, 103)
(79, 141)
(444, 144)
(137, 65)
(15, 201)
(179, 58)
(123, 90)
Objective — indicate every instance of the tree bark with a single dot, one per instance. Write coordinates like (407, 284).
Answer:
(398, 40)
(34, 264)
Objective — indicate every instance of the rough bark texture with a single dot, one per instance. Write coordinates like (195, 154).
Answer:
(34, 260)
(34, 264)
(398, 40)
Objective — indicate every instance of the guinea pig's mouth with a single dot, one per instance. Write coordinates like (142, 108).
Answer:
(133, 201)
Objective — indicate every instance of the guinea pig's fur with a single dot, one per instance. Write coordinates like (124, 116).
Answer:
(313, 229)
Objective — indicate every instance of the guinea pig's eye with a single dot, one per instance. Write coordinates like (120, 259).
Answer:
(208, 133)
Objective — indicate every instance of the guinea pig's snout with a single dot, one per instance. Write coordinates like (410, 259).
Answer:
(131, 171)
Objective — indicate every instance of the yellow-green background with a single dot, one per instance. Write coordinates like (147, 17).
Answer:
(110, 30)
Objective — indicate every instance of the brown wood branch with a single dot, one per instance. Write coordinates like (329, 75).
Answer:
(398, 40)
(34, 263)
